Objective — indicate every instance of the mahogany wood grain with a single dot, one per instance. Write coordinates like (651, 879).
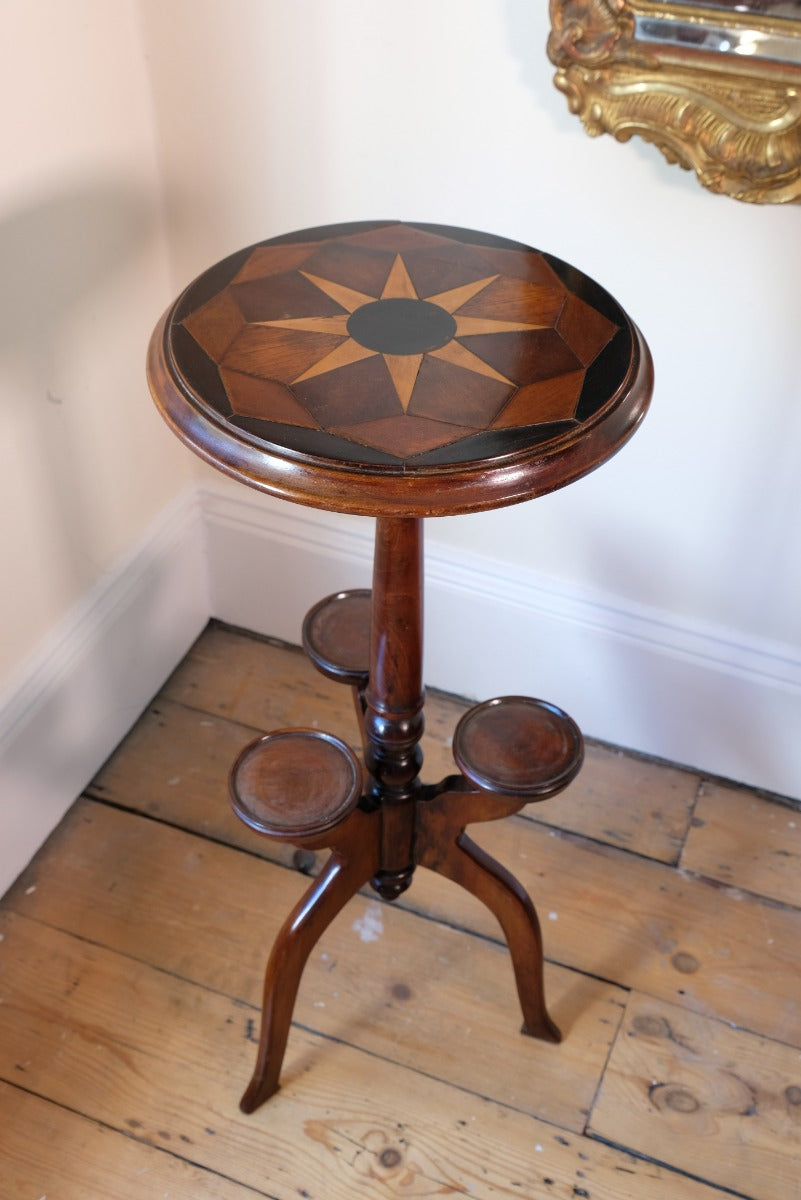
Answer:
(295, 784)
(525, 747)
(446, 849)
(336, 636)
(393, 720)
(399, 370)
(349, 867)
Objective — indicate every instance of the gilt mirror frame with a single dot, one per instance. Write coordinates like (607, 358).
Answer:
(732, 116)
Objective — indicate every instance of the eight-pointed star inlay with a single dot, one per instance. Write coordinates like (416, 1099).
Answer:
(396, 343)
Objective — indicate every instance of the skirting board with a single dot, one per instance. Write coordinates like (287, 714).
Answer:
(78, 697)
(634, 677)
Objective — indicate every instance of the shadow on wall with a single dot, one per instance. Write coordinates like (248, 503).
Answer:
(56, 252)
(74, 268)
(59, 255)
(697, 694)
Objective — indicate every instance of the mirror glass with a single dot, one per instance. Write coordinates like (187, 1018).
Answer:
(722, 39)
(791, 9)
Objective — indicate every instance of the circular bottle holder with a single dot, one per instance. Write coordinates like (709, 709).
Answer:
(518, 746)
(295, 784)
(336, 636)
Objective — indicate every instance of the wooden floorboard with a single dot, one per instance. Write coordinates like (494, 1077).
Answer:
(132, 951)
(382, 978)
(50, 1150)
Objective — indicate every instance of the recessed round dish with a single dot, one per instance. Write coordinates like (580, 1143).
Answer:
(336, 636)
(295, 783)
(518, 746)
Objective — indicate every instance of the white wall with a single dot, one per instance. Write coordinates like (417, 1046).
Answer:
(84, 275)
(274, 116)
(91, 487)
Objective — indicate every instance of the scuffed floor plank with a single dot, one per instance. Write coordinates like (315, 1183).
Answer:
(719, 1103)
(48, 1150)
(174, 765)
(625, 801)
(747, 842)
(644, 925)
(140, 1051)
(259, 684)
(411, 990)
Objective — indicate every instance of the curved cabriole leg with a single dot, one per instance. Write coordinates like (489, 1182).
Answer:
(465, 863)
(339, 880)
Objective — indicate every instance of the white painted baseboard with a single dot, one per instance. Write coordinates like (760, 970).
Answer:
(87, 684)
(636, 677)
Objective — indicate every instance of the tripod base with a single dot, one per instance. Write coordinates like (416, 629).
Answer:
(275, 791)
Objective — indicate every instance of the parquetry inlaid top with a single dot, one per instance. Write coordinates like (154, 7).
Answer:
(399, 368)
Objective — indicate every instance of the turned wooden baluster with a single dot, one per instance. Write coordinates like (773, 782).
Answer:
(393, 718)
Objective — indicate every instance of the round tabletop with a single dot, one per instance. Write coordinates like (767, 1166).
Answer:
(399, 369)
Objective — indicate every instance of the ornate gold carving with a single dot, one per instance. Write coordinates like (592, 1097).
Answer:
(733, 119)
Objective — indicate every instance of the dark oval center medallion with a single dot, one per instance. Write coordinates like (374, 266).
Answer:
(401, 326)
